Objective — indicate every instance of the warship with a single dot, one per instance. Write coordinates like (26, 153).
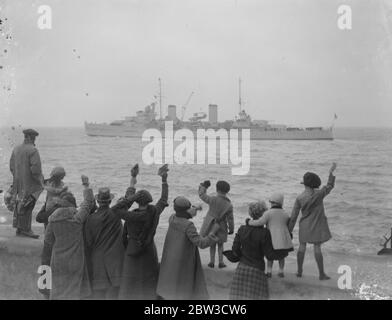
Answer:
(134, 126)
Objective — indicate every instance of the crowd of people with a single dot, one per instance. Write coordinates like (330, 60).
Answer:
(106, 250)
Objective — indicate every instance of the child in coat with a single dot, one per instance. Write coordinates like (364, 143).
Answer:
(219, 219)
(276, 220)
(313, 224)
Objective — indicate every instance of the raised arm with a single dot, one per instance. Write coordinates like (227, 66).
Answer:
(162, 202)
(196, 239)
(88, 202)
(132, 185)
(203, 191)
(324, 191)
(125, 203)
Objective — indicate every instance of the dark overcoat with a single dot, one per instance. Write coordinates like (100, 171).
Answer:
(181, 275)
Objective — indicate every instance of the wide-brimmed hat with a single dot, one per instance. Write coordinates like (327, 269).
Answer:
(311, 180)
(143, 197)
(181, 204)
(30, 132)
(104, 195)
(57, 172)
(277, 198)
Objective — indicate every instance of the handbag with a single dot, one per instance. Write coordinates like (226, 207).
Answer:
(231, 256)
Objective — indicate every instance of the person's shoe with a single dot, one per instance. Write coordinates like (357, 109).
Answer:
(29, 234)
(299, 274)
(221, 265)
(211, 265)
(324, 277)
(269, 275)
(281, 275)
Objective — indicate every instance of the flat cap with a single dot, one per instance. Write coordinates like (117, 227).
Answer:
(30, 132)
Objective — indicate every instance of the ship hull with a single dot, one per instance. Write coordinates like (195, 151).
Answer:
(105, 130)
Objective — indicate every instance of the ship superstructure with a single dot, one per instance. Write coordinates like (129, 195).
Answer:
(134, 126)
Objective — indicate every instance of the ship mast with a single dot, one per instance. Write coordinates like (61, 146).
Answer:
(239, 94)
(160, 98)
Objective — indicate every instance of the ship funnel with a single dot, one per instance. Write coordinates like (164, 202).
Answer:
(171, 112)
(213, 113)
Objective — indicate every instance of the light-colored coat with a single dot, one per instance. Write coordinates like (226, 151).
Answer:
(64, 246)
(276, 220)
(313, 225)
(181, 275)
(105, 248)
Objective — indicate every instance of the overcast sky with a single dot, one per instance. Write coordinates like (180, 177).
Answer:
(297, 67)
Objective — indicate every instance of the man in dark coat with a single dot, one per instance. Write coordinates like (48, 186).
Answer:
(104, 242)
(181, 275)
(25, 166)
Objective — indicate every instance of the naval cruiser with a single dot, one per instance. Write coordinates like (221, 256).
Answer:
(134, 126)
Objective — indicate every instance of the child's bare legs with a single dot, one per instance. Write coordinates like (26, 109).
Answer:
(300, 258)
(320, 261)
(281, 268)
(212, 256)
(220, 255)
(270, 263)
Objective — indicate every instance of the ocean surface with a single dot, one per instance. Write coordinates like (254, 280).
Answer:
(359, 209)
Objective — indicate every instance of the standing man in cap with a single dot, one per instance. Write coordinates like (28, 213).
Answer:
(25, 166)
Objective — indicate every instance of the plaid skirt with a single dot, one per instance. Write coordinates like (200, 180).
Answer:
(249, 283)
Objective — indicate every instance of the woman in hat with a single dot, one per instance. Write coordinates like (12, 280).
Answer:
(64, 248)
(55, 188)
(140, 268)
(251, 245)
(276, 220)
(181, 275)
(313, 225)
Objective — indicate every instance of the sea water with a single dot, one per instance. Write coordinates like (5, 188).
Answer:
(359, 209)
